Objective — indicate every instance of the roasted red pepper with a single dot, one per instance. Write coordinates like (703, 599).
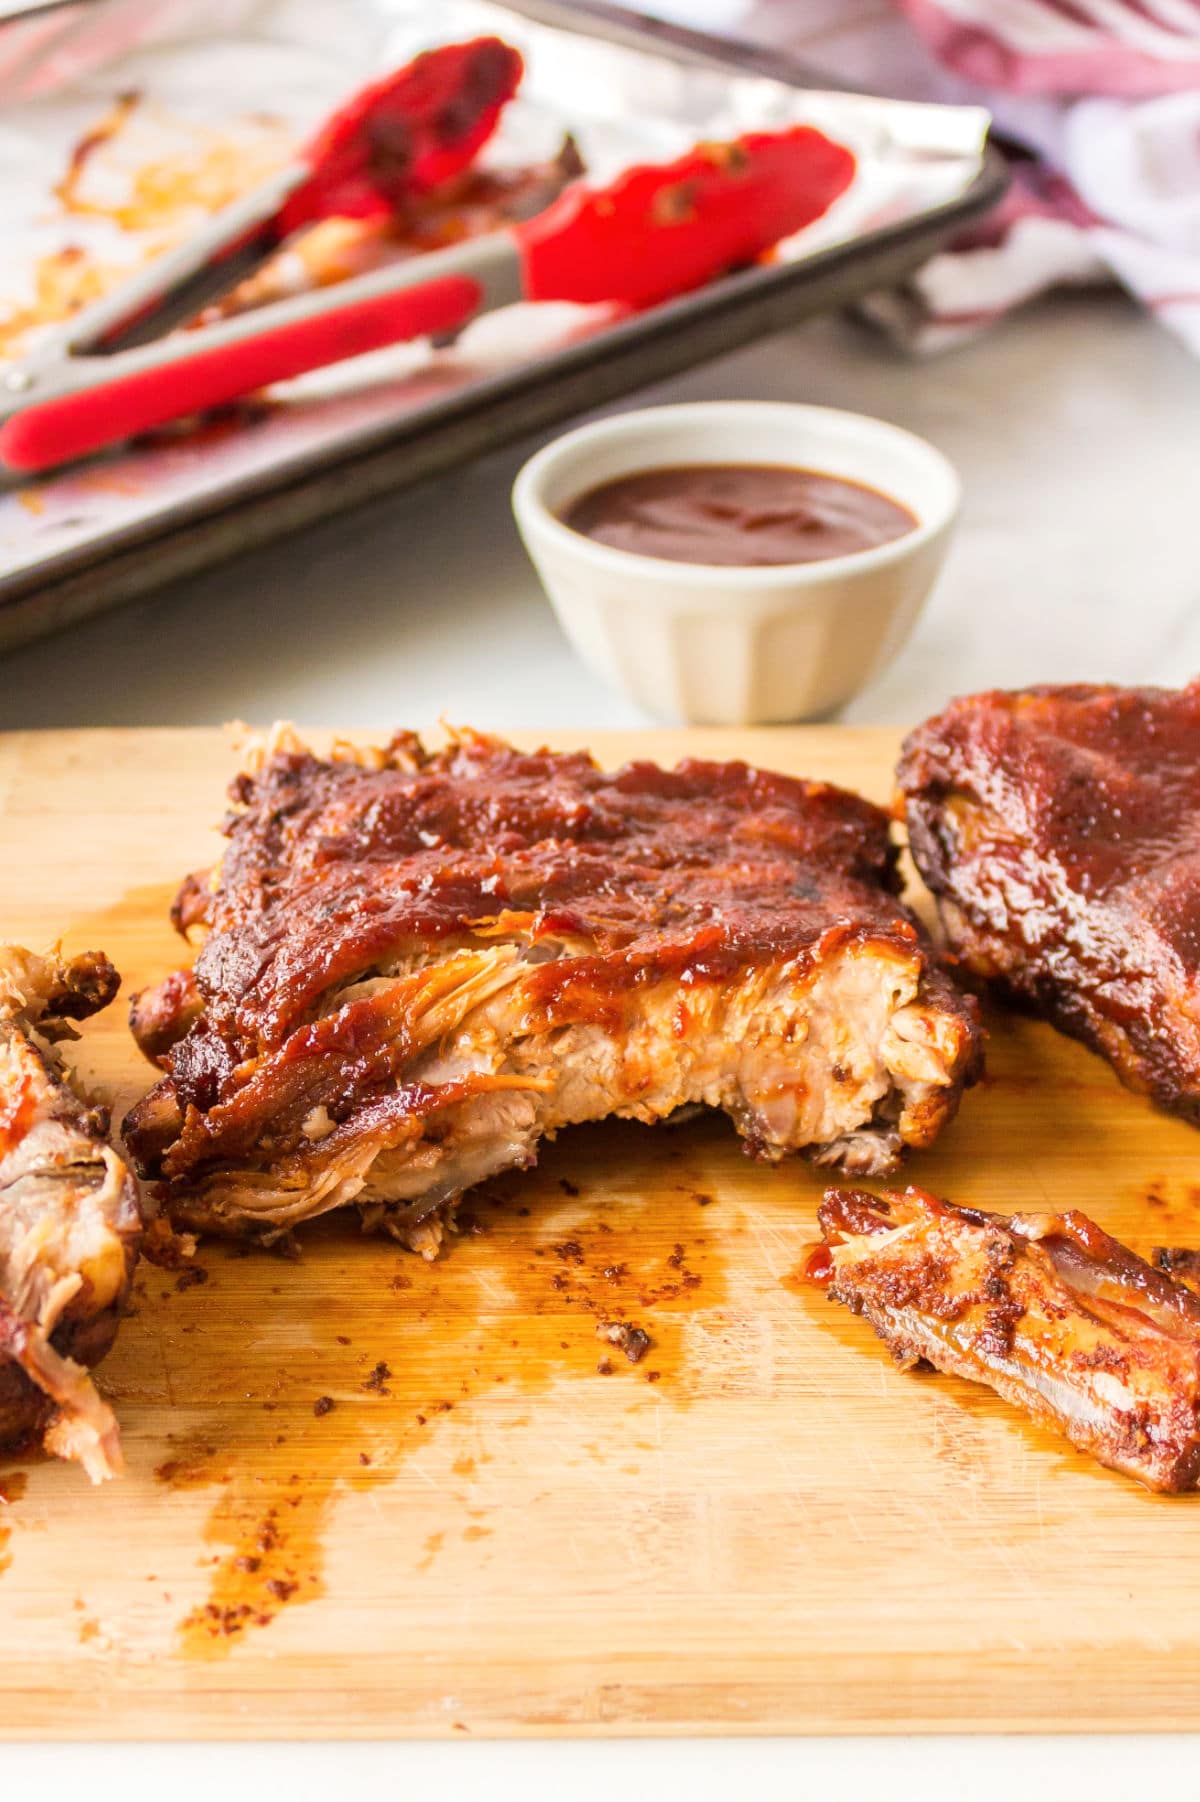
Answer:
(407, 134)
(659, 230)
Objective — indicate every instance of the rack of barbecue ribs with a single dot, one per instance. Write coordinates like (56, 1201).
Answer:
(1046, 1309)
(70, 1222)
(1059, 829)
(415, 966)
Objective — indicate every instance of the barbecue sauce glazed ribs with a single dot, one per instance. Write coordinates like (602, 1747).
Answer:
(415, 966)
(70, 1220)
(1046, 1309)
(1059, 829)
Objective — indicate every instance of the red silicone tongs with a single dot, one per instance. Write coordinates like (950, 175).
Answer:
(400, 138)
(655, 232)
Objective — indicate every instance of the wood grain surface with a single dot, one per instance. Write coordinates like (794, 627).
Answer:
(371, 1496)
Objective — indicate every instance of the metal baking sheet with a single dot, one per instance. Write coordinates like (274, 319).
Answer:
(80, 541)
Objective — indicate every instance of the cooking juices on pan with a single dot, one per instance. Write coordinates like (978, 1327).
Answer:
(738, 514)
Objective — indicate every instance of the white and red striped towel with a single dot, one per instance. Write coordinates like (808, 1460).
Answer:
(1104, 95)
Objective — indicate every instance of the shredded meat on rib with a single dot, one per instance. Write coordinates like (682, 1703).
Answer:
(1060, 830)
(416, 966)
(1047, 1309)
(70, 1222)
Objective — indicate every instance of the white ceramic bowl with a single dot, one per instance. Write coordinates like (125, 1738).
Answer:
(717, 646)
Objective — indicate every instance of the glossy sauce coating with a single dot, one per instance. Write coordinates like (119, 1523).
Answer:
(1047, 1309)
(738, 515)
(690, 872)
(1060, 829)
(338, 870)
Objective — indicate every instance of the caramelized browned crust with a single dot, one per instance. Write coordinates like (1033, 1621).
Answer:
(416, 965)
(160, 1016)
(70, 1220)
(1047, 1309)
(1060, 830)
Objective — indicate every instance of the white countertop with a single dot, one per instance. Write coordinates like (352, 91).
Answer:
(987, 1769)
(1076, 428)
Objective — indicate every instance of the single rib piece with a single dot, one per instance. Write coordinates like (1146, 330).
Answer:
(1046, 1309)
(416, 966)
(1060, 830)
(70, 1222)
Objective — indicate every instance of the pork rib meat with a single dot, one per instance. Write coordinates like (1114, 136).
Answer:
(70, 1221)
(1059, 829)
(1047, 1309)
(415, 966)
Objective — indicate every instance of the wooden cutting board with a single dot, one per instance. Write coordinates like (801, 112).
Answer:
(763, 1526)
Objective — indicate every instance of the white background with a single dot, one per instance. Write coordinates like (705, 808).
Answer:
(773, 1770)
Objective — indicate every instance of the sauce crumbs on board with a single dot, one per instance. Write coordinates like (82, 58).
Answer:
(13, 1484)
(514, 1306)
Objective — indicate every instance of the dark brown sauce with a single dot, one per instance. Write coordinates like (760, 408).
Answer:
(738, 515)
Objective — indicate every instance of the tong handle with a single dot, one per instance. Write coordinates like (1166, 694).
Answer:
(110, 404)
(172, 289)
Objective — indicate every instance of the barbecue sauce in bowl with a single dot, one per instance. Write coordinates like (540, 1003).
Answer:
(738, 515)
